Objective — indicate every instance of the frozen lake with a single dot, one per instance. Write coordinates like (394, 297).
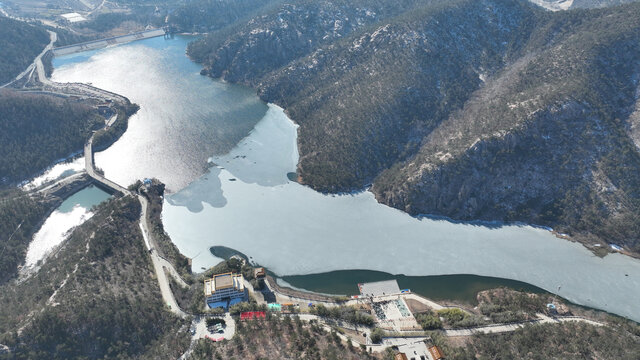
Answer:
(247, 202)
(292, 229)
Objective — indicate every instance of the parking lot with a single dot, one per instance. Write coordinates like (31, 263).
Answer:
(199, 328)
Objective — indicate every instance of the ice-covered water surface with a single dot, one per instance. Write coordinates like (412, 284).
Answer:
(248, 204)
(72, 212)
(58, 171)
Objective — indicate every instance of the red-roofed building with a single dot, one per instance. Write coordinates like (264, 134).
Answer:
(250, 315)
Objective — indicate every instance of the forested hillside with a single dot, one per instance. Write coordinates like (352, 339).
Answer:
(208, 15)
(364, 103)
(565, 341)
(20, 43)
(491, 109)
(37, 130)
(544, 141)
(20, 218)
(597, 3)
(95, 298)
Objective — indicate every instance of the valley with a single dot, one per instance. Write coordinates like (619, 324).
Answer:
(453, 146)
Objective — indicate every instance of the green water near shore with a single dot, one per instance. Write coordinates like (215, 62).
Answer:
(86, 198)
(439, 287)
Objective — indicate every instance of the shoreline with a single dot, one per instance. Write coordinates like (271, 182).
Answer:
(447, 220)
(601, 251)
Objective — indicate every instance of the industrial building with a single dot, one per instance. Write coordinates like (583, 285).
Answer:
(225, 290)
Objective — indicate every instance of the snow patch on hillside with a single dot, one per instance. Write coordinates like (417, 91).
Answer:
(554, 5)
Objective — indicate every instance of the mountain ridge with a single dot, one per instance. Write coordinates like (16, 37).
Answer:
(474, 83)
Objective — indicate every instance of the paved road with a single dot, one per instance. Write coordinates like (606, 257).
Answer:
(160, 264)
(499, 328)
(38, 60)
(101, 43)
(199, 324)
(89, 167)
(96, 8)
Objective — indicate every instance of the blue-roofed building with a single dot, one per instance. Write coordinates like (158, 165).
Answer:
(225, 290)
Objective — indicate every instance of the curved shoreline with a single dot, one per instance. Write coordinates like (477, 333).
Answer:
(504, 273)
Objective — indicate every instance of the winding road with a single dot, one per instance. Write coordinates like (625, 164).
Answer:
(159, 263)
(500, 328)
(163, 269)
(53, 37)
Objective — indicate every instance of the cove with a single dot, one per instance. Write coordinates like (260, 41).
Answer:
(226, 157)
(74, 211)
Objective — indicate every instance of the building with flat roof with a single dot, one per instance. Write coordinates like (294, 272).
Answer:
(379, 288)
(259, 273)
(416, 350)
(436, 353)
(224, 290)
(73, 17)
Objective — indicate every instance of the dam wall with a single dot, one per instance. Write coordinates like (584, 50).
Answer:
(101, 43)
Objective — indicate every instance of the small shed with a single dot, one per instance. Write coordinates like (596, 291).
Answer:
(259, 273)
(436, 353)
(400, 356)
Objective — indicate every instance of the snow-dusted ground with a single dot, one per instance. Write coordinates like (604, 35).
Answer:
(60, 170)
(248, 204)
(72, 212)
(54, 230)
(554, 5)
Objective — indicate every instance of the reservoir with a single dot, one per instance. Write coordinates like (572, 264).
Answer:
(226, 158)
(184, 118)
